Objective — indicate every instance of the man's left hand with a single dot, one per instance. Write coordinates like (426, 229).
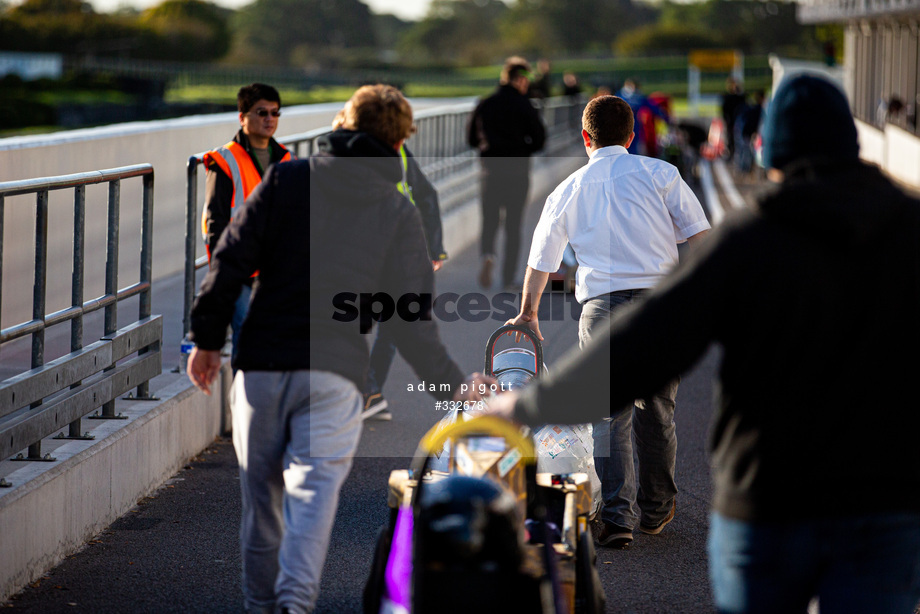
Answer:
(203, 366)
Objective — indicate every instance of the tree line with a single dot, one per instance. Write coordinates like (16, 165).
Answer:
(345, 33)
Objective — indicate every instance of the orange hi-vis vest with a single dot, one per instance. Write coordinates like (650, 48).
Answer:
(233, 160)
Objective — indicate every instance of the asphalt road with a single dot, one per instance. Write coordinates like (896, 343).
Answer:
(177, 551)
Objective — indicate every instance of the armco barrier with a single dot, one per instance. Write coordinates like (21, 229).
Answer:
(94, 375)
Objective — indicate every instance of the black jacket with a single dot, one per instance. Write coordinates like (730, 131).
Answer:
(320, 231)
(506, 124)
(815, 300)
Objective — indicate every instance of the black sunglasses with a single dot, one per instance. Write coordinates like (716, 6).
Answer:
(266, 112)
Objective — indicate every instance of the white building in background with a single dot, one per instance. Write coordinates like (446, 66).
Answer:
(881, 67)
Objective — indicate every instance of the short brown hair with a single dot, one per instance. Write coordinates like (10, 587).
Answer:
(608, 120)
(381, 111)
(514, 67)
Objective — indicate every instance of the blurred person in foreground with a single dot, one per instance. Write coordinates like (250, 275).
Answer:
(813, 445)
(506, 129)
(315, 229)
(233, 172)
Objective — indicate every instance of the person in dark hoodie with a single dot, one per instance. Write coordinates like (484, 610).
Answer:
(813, 445)
(321, 232)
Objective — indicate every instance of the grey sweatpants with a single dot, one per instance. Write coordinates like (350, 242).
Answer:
(295, 434)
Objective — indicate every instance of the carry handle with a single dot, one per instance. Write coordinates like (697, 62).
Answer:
(487, 426)
(516, 328)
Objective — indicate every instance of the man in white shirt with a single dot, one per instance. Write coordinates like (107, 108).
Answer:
(624, 216)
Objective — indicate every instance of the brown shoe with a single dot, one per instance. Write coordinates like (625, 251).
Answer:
(611, 535)
(655, 529)
(485, 272)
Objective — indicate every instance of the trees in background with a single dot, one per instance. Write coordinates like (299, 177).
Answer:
(753, 26)
(342, 33)
(462, 32)
(183, 29)
(309, 33)
(174, 30)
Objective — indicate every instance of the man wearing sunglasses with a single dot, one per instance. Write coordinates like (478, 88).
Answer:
(235, 169)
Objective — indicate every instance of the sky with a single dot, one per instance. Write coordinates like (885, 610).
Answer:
(406, 9)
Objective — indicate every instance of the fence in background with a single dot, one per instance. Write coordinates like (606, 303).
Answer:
(40, 401)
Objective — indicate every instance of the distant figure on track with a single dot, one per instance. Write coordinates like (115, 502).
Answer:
(507, 130)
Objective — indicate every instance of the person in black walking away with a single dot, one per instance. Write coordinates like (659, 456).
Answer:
(507, 130)
(234, 170)
(813, 443)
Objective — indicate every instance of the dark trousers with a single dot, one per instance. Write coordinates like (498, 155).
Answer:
(505, 182)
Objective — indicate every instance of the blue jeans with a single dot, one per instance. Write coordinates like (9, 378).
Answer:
(240, 308)
(382, 354)
(295, 434)
(855, 565)
(626, 500)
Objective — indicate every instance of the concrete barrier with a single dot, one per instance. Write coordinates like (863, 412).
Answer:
(54, 510)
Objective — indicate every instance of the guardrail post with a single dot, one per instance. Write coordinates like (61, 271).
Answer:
(191, 210)
(75, 428)
(145, 300)
(111, 282)
(38, 299)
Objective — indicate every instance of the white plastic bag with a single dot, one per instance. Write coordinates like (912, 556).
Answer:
(568, 449)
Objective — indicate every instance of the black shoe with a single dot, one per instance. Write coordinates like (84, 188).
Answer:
(655, 529)
(375, 407)
(611, 535)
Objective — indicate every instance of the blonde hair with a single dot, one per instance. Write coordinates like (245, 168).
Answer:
(379, 110)
(339, 120)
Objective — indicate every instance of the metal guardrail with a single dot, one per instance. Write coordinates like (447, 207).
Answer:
(440, 146)
(88, 377)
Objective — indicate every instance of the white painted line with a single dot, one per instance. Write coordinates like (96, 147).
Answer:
(711, 196)
(728, 185)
